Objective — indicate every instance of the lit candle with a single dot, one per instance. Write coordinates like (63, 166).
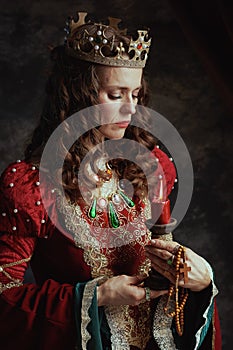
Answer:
(160, 212)
(160, 208)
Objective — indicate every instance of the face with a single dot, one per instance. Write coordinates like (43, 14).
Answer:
(119, 89)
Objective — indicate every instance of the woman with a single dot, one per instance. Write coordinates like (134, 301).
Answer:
(90, 250)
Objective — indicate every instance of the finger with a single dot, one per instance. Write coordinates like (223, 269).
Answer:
(163, 254)
(157, 293)
(137, 279)
(161, 264)
(170, 246)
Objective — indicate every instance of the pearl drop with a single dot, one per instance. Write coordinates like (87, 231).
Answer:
(176, 180)
(46, 237)
(38, 203)
(42, 221)
(13, 170)
(11, 184)
(52, 191)
(18, 161)
(171, 159)
(157, 159)
(91, 38)
(105, 41)
(28, 220)
(14, 228)
(33, 168)
(160, 177)
(37, 183)
(15, 210)
(1, 268)
(99, 32)
(116, 198)
(3, 214)
(157, 146)
(96, 47)
(102, 202)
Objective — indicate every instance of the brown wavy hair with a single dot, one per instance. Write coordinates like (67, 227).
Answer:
(73, 85)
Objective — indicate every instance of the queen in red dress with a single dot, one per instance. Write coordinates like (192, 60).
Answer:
(88, 245)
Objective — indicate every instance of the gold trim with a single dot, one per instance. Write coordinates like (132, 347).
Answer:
(9, 285)
(86, 304)
(18, 262)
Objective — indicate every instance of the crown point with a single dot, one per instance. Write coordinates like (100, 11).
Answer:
(81, 18)
(95, 35)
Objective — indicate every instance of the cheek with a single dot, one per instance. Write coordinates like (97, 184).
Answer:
(110, 112)
(102, 98)
(112, 131)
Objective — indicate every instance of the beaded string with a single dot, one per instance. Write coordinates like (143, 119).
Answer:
(179, 293)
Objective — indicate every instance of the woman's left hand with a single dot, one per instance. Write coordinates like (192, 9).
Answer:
(160, 251)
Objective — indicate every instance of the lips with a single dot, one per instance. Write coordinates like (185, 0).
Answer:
(123, 124)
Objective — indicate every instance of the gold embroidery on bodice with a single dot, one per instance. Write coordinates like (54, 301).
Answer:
(104, 256)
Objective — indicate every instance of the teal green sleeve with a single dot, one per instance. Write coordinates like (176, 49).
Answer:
(98, 327)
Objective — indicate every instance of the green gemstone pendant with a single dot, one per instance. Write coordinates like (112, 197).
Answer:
(92, 210)
(113, 218)
(127, 200)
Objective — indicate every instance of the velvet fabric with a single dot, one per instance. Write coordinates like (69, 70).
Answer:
(40, 315)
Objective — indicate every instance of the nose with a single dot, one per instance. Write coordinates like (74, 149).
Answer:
(128, 107)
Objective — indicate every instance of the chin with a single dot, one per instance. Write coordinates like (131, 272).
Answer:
(115, 137)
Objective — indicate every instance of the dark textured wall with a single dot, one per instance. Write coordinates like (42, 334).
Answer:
(181, 91)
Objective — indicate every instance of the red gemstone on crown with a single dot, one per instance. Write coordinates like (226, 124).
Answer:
(139, 46)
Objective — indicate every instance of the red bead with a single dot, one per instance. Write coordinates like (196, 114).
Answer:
(139, 46)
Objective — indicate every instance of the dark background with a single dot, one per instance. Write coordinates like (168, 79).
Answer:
(187, 88)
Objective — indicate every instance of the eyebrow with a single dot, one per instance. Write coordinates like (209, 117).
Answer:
(121, 87)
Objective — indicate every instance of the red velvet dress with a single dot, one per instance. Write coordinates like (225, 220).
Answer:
(40, 315)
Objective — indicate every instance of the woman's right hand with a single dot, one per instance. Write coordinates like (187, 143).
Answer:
(124, 290)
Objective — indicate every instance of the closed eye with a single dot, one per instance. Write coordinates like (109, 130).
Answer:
(114, 97)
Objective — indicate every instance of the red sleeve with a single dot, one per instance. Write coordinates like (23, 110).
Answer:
(217, 337)
(40, 317)
(166, 169)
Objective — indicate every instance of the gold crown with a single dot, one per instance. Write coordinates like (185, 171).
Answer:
(98, 43)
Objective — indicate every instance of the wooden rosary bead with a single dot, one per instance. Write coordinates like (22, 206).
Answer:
(180, 294)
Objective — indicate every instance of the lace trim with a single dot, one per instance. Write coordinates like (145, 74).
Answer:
(95, 233)
(18, 262)
(9, 285)
(134, 322)
(86, 304)
(162, 326)
(205, 315)
(147, 210)
(129, 325)
(115, 318)
(162, 323)
(96, 256)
